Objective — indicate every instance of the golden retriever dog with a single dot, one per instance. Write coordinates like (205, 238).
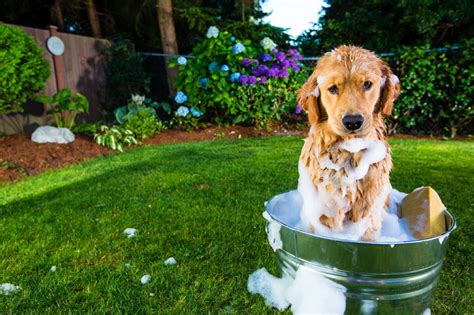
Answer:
(345, 98)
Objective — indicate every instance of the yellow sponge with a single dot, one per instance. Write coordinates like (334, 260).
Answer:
(424, 213)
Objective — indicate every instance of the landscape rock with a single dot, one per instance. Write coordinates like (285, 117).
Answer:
(49, 134)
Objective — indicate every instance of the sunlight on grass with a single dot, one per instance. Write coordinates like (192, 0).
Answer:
(200, 203)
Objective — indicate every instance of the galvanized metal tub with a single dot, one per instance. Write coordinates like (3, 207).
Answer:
(380, 278)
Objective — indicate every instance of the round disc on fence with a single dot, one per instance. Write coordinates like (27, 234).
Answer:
(55, 45)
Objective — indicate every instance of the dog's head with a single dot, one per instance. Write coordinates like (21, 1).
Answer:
(348, 86)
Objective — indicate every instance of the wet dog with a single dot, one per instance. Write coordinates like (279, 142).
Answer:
(346, 155)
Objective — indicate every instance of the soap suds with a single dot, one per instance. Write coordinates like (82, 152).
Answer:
(316, 92)
(320, 79)
(442, 238)
(309, 292)
(8, 288)
(273, 232)
(375, 151)
(394, 79)
(170, 261)
(145, 279)
(130, 232)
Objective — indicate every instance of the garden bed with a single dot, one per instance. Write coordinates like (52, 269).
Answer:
(19, 156)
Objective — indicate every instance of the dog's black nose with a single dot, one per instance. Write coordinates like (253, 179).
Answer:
(352, 122)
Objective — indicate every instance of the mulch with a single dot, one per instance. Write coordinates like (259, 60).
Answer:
(19, 156)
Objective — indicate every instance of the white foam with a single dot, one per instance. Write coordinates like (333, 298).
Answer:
(394, 79)
(271, 288)
(375, 151)
(8, 288)
(300, 208)
(307, 293)
(170, 261)
(311, 293)
(442, 238)
(273, 232)
(130, 232)
(368, 307)
(145, 279)
(316, 92)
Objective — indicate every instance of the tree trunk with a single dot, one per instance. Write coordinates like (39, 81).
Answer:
(93, 18)
(57, 15)
(168, 38)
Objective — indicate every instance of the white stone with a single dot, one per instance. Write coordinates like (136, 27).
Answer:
(49, 134)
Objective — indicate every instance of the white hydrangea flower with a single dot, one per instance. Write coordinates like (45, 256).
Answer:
(212, 32)
(267, 43)
(182, 61)
(138, 99)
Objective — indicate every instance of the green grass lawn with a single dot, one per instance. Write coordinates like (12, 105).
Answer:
(200, 203)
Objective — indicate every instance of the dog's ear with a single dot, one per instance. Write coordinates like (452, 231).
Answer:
(308, 98)
(390, 90)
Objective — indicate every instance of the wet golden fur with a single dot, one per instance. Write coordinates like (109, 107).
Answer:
(348, 67)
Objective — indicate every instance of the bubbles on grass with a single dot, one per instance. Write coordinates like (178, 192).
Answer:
(145, 279)
(130, 232)
(170, 261)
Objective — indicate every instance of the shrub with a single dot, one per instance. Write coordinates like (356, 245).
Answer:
(235, 81)
(87, 127)
(23, 72)
(66, 106)
(139, 116)
(436, 90)
(115, 137)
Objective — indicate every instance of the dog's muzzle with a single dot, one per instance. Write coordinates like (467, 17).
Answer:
(352, 122)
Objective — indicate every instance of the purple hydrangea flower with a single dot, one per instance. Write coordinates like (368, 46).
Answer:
(280, 56)
(234, 77)
(266, 57)
(292, 51)
(238, 48)
(263, 80)
(246, 62)
(244, 79)
(252, 79)
(261, 70)
(296, 68)
(298, 110)
(273, 72)
(203, 83)
(285, 63)
(283, 73)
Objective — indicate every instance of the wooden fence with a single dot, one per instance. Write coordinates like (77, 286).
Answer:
(80, 68)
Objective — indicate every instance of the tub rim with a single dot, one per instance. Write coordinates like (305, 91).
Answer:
(440, 238)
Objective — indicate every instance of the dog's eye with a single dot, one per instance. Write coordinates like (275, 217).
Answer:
(333, 89)
(367, 85)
